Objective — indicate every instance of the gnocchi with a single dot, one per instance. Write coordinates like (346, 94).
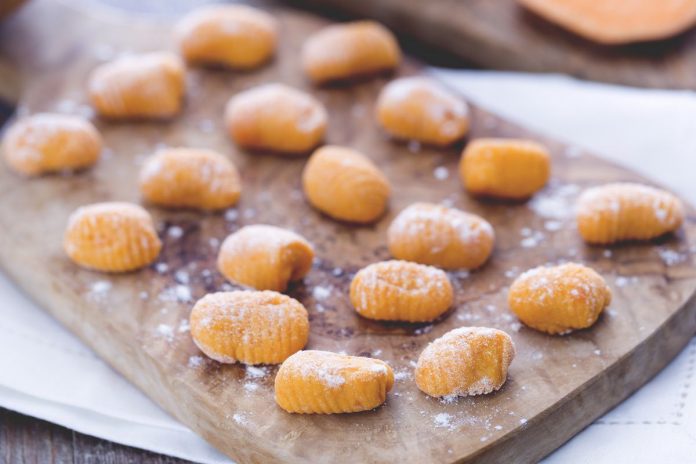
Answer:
(190, 178)
(401, 291)
(146, 86)
(237, 36)
(265, 257)
(250, 327)
(418, 108)
(45, 143)
(559, 299)
(627, 211)
(276, 118)
(504, 168)
(440, 236)
(344, 51)
(464, 362)
(111, 237)
(345, 185)
(321, 382)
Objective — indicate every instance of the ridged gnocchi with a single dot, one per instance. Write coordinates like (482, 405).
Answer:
(345, 185)
(111, 237)
(237, 36)
(464, 362)
(418, 108)
(46, 142)
(276, 118)
(504, 168)
(344, 51)
(559, 299)
(265, 257)
(439, 236)
(401, 291)
(321, 382)
(250, 327)
(627, 211)
(146, 86)
(190, 178)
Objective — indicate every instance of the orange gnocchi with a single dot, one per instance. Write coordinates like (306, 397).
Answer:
(559, 299)
(321, 382)
(504, 168)
(627, 211)
(45, 143)
(345, 185)
(265, 257)
(418, 108)
(344, 51)
(444, 237)
(249, 327)
(190, 178)
(464, 362)
(237, 36)
(276, 118)
(401, 291)
(111, 237)
(147, 86)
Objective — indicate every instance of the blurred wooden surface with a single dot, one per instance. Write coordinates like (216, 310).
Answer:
(502, 35)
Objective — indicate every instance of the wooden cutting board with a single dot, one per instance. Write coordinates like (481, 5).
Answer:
(137, 322)
(502, 35)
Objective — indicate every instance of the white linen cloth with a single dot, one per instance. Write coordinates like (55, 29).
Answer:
(47, 373)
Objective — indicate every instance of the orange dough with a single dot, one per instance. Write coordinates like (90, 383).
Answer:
(401, 291)
(237, 36)
(111, 237)
(249, 326)
(504, 168)
(343, 51)
(626, 211)
(190, 178)
(345, 184)
(321, 382)
(265, 257)
(147, 86)
(559, 299)
(464, 362)
(418, 108)
(444, 237)
(618, 21)
(276, 118)
(46, 143)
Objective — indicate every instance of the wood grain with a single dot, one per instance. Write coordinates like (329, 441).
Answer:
(136, 322)
(503, 35)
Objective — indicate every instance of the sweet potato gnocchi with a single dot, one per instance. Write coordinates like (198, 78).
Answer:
(321, 382)
(504, 168)
(418, 108)
(626, 211)
(464, 362)
(45, 143)
(237, 36)
(401, 291)
(111, 237)
(344, 51)
(147, 86)
(265, 257)
(276, 118)
(190, 178)
(444, 237)
(345, 185)
(249, 327)
(559, 299)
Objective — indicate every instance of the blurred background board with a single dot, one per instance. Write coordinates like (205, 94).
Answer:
(500, 34)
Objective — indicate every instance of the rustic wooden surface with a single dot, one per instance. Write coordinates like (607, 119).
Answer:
(136, 322)
(502, 35)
